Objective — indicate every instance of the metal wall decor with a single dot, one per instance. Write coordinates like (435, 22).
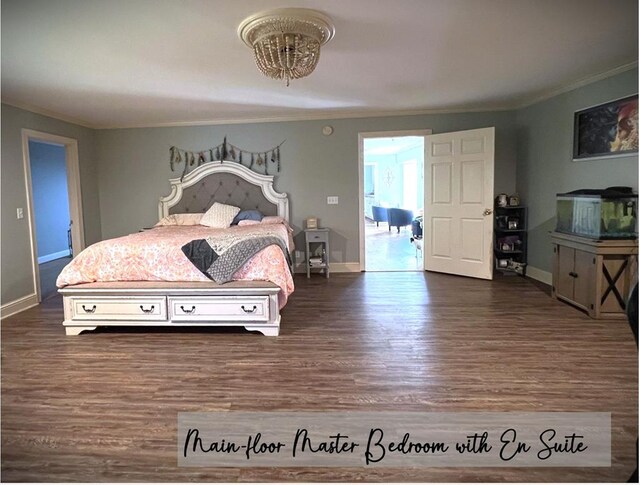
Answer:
(225, 152)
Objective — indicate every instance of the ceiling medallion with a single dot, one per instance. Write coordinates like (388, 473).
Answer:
(286, 42)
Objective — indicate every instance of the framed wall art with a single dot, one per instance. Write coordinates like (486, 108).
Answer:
(607, 130)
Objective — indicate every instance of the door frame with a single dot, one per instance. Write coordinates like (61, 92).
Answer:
(376, 134)
(74, 194)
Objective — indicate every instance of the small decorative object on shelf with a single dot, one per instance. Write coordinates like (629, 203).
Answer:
(510, 235)
(311, 223)
(501, 200)
(317, 250)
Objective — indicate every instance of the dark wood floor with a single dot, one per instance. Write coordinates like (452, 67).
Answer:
(103, 406)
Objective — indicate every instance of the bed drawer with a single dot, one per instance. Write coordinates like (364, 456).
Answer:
(111, 308)
(211, 309)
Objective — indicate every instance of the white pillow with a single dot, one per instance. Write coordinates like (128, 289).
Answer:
(219, 215)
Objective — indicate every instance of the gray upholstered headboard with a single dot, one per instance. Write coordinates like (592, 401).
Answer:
(227, 183)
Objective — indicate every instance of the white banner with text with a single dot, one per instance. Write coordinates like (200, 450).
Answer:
(393, 439)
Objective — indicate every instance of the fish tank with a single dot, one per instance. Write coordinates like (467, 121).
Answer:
(610, 213)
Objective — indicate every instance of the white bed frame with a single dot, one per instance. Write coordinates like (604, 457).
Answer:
(251, 304)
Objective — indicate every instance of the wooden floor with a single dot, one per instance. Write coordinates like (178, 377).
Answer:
(103, 406)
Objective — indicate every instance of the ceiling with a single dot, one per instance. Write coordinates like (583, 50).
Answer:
(122, 63)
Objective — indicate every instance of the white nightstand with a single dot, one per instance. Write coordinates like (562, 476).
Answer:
(317, 250)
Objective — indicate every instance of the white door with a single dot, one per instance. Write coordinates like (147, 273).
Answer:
(458, 220)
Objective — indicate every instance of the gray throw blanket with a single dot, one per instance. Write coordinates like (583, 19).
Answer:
(220, 257)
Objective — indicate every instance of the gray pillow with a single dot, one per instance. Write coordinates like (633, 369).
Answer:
(251, 215)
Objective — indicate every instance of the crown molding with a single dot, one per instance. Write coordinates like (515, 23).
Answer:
(565, 88)
(343, 114)
(51, 114)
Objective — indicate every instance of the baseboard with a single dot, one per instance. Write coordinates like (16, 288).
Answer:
(19, 305)
(345, 267)
(334, 268)
(539, 275)
(50, 257)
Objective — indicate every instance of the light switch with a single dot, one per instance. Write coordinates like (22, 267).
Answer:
(333, 200)
(19, 213)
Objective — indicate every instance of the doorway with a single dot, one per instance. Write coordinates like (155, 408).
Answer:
(391, 200)
(457, 192)
(54, 209)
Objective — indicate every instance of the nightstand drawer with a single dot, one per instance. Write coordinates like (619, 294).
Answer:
(211, 309)
(108, 308)
(321, 237)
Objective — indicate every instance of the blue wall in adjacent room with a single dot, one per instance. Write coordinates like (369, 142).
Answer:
(50, 197)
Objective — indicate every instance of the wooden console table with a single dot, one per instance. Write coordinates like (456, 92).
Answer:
(594, 275)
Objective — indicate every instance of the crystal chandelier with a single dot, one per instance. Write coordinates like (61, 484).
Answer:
(286, 42)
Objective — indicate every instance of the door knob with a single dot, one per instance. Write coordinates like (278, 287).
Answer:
(488, 212)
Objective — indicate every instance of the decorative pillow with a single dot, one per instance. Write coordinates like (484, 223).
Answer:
(248, 222)
(273, 220)
(219, 215)
(251, 215)
(190, 219)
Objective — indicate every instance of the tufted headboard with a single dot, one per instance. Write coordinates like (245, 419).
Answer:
(227, 183)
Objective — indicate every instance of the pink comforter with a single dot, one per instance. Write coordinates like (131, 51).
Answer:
(155, 255)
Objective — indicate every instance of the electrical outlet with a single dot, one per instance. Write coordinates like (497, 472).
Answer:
(19, 213)
(333, 200)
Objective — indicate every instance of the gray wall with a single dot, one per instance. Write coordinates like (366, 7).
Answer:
(17, 276)
(545, 166)
(50, 197)
(134, 168)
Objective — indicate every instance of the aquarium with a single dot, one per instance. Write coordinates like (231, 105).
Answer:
(599, 213)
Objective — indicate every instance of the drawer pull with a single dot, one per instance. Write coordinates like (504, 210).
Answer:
(193, 309)
(573, 275)
(253, 310)
(89, 310)
(147, 311)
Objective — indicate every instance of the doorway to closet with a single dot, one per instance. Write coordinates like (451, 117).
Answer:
(51, 211)
(54, 210)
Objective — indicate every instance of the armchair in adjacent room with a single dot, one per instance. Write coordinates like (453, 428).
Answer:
(379, 214)
(399, 218)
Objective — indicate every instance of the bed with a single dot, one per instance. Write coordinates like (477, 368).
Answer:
(161, 287)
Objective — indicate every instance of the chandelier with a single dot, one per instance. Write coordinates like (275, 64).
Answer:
(286, 42)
